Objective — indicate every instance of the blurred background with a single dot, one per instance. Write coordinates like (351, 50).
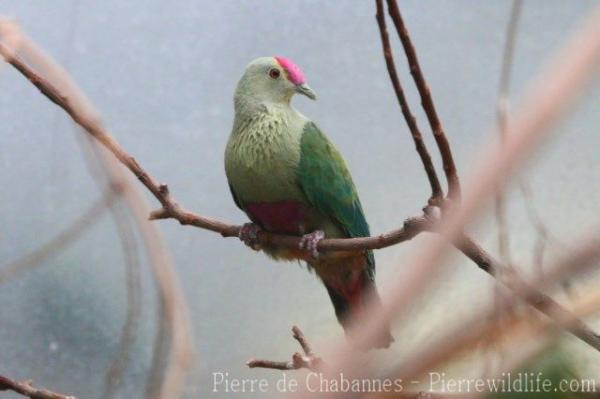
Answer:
(162, 75)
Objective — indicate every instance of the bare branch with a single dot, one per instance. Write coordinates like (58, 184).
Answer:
(426, 102)
(173, 341)
(471, 331)
(172, 210)
(129, 248)
(26, 388)
(307, 361)
(61, 240)
(571, 68)
(542, 302)
(436, 190)
(115, 371)
(412, 226)
(502, 121)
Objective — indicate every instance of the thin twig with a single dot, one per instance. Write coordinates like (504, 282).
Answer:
(61, 240)
(468, 333)
(427, 102)
(299, 361)
(436, 190)
(572, 66)
(412, 226)
(542, 302)
(166, 377)
(502, 108)
(114, 373)
(172, 210)
(126, 233)
(502, 122)
(26, 388)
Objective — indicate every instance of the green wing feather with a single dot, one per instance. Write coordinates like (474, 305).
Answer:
(325, 180)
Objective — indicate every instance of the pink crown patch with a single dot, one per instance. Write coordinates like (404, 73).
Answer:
(294, 74)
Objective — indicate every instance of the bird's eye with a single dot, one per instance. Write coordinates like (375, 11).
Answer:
(274, 73)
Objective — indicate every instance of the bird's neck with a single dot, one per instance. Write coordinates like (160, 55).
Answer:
(252, 112)
(250, 105)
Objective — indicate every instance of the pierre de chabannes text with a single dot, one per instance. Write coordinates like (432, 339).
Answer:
(435, 382)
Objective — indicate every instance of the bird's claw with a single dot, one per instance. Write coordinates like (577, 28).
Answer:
(309, 242)
(249, 235)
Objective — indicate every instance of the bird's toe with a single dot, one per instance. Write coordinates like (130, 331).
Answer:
(249, 235)
(309, 242)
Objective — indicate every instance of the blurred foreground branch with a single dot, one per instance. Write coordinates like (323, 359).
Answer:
(555, 89)
(172, 348)
(170, 209)
(70, 233)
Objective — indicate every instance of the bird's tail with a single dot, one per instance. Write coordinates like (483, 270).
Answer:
(350, 299)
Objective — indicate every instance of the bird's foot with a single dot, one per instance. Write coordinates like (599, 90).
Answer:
(249, 235)
(310, 241)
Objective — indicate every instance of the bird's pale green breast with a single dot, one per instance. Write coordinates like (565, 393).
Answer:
(263, 153)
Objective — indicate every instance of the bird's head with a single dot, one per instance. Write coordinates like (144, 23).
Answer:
(274, 79)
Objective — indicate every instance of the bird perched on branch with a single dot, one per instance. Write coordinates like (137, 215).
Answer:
(287, 176)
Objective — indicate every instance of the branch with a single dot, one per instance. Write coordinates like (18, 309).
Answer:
(502, 104)
(26, 388)
(411, 227)
(436, 190)
(172, 339)
(171, 210)
(472, 331)
(426, 102)
(61, 240)
(535, 298)
(125, 228)
(308, 361)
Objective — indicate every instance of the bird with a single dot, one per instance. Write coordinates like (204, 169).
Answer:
(289, 178)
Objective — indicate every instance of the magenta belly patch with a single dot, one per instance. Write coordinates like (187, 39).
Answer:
(282, 216)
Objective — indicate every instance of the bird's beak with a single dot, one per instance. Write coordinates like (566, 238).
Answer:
(306, 90)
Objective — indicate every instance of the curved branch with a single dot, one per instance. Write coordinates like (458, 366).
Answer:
(170, 209)
(61, 240)
(173, 339)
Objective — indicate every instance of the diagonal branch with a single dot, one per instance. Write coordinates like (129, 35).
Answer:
(61, 240)
(411, 227)
(171, 210)
(426, 102)
(472, 331)
(536, 298)
(436, 190)
(26, 388)
(172, 339)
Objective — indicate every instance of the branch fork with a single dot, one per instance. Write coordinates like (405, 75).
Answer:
(308, 360)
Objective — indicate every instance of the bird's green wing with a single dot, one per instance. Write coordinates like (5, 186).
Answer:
(325, 180)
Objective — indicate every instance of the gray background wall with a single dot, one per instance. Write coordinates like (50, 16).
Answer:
(162, 75)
